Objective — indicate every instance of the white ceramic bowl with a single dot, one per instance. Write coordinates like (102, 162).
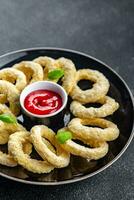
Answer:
(43, 85)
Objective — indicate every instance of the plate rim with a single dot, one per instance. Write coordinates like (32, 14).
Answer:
(105, 166)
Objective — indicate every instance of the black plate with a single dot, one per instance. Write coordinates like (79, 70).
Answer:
(79, 168)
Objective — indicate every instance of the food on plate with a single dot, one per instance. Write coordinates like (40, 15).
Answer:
(15, 144)
(51, 67)
(7, 116)
(5, 110)
(9, 94)
(59, 159)
(86, 136)
(48, 64)
(4, 136)
(14, 76)
(98, 91)
(68, 79)
(6, 130)
(43, 102)
(98, 150)
(105, 130)
(33, 71)
(8, 160)
(109, 106)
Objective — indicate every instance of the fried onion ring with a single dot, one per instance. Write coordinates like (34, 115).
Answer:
(98, 91)
(4, 109)
(61, 158)
(48, 64)
(11, 96)
(15, 145)
(33, 71)
(98, 150)
(67, 65)
(4, 137)
(6, 158)
(69, 73)
(14, 76)
(109, 106)
(108, 131)
(4, 133)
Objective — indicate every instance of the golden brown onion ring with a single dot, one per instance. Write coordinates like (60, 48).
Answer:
(6, 158)
(67, 65)
(4, 109)
(68, 79)
(7, 129)
(14, 76)
(109, 106)
(108, 131)
(4, 137)
(15, 145)
(48, 64)
(11, 96)
(4, 133)
(98, 150)
(61, 159)
(33, 71)
(98, 91)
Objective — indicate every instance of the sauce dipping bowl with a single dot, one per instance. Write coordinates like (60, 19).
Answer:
(43, 85)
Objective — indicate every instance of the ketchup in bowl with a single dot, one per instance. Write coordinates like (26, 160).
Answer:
(43, 102)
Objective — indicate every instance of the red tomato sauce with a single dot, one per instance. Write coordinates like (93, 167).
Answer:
(43, 102)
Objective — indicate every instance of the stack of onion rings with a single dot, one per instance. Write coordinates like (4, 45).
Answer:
(98, 150)
(6, 130)
(15, 146)
(62, 158)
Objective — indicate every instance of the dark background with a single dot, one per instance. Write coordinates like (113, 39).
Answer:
(103, 29)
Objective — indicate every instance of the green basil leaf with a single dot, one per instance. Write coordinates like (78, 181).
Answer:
(63, 136)
(55, 74)
(8, 118)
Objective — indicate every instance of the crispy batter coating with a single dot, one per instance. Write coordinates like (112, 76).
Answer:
(11, 96)
(4, 134)
(108, 131)
(6, 158)
(98, 150)
(33, 71)
(89, 128)
(15, 146)
(48, 64)
(4, 137)
(59, 159)
(69, 78)
(98, 91)
(67, 65)
(4, 109)
(14, 76)
(109, 106)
